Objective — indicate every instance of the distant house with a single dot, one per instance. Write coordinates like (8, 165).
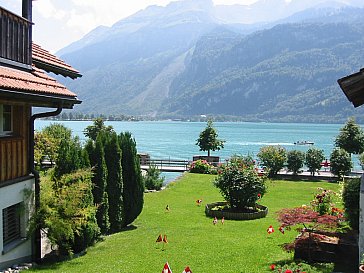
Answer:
(23, 85)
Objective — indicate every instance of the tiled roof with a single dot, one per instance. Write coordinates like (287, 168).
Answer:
(45, 60)
(35, 82)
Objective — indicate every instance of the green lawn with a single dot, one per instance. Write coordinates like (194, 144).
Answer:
(236, 246)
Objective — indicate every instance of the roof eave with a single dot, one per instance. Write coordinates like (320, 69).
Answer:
(41, 100)
(56, 69)
(353, 87)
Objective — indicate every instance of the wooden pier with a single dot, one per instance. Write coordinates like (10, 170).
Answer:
(166, 165)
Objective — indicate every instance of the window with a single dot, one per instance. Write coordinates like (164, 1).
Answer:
(6, 120)
(11, 224)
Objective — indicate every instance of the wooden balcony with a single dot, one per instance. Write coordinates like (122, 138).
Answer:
(15, 38)
(13, 158)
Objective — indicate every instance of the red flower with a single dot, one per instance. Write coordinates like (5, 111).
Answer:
(259, 195)
(272, 266)
(288, 271)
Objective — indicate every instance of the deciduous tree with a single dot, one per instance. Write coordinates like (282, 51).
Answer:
(273, 158)
(208, 140)
(98, 126)
(340, 161)
(313, 160)
(295, 160)
(351, 138)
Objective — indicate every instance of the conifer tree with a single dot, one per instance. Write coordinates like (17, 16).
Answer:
(97, 160)
(132, 178)
(114, 182)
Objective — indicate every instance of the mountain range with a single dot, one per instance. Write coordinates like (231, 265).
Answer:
(274, 60)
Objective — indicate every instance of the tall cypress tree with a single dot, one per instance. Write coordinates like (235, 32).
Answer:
(114, 182)
(132, 178)
(97, 160)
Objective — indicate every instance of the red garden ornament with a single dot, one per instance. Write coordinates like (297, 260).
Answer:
(159, 239)
(281, 229)
(187, 270)
(270, 230)
(214, 221)
(166, 268)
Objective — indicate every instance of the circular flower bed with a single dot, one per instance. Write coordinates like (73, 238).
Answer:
(220, 209)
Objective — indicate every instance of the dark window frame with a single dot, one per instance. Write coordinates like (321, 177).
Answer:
(6, 120)
(12, 224)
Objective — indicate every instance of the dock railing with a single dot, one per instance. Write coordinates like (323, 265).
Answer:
(167, 164)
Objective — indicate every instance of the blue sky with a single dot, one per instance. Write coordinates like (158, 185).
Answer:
(61, 22)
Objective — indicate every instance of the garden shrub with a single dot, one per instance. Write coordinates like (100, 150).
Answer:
(340, 162)
(313, 159)
(323, 202)
(152, 179)
(295, 160)
(273, 158)
(200, 166)
(351, 197)
(67, 213)
(240, 185)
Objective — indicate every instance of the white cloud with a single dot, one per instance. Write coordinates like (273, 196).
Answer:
(60, 22)
(48, 10)
(84, 22)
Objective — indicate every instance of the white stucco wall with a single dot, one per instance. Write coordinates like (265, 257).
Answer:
(11, 195)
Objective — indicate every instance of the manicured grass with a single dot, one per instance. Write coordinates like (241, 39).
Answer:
(236, 246)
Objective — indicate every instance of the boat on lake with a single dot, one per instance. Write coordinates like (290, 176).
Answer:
(305, 142)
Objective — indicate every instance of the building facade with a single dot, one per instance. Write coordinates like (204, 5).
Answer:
(24, 84)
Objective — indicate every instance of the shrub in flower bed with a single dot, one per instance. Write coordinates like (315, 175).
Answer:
(321, 221)
(200, 166)
(240, 184)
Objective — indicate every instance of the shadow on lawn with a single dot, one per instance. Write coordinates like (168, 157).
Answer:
(52, 260)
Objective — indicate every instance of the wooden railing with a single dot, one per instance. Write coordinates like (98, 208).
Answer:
(15, 37)
(167, 164)
(13, 158)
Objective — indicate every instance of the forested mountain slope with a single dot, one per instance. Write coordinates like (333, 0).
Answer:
(180, 60)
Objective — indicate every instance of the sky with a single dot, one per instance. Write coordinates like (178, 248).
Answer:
(58, 23)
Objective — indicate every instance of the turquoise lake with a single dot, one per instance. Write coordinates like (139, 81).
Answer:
(176, 140)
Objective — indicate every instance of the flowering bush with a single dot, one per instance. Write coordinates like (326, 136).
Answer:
(323, 203)
(240, 184)
(321, 214)
(200, 166)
